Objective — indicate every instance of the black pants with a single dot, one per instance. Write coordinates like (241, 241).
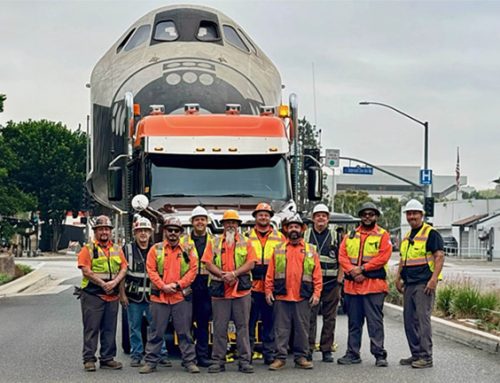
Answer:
(202, 310)
(369, 306)
(330, 297)
(260, 309)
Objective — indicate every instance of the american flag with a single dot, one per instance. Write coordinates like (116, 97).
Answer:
(457, 169)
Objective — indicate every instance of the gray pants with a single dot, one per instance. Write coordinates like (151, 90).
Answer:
(181, 313)
(369, 306)
(99, 321)
(417, 318)
(288, 315)
(222, 311)
(330, 298)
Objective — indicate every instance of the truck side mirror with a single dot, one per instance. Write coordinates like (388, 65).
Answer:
(115, 183)
(314, 184)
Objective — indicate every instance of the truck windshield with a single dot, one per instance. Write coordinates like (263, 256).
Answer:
(219, 176)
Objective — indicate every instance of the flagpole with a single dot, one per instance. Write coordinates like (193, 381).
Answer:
(457, 172)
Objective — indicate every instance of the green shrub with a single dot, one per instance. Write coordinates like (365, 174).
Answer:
(465, 303)
(487, 303)
(4, 278)
(393, 296)
(26, 269)
(444, 298)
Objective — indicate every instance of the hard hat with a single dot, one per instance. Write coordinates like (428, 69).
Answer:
(199, 211)
(263, 207)
(102, 221)
(142, 223)
(231, 215)
(294, 219)
(413, 205)
(321, 208)
(173, 221)
(368, 206)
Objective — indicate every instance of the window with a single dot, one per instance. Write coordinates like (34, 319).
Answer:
(234, 39)
(139, 37)
(122, 44)
(166, 31)
(208, 31)
(247, 41)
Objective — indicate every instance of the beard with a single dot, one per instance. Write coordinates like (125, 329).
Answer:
(293, 235)
(230, 235)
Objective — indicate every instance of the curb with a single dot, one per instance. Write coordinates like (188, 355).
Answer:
(453, 331)
(37, 278)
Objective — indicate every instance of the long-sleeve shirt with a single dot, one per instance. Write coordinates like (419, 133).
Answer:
(171, 273)
(369, 285)
(294, 269)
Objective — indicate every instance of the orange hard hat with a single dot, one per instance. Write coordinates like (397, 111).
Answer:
(263, 206)
(231, 215)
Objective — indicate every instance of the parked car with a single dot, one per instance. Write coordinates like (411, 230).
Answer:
(450, 245)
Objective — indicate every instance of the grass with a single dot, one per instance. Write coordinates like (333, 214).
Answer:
(25, 269)
(4, 278)
(21, 270)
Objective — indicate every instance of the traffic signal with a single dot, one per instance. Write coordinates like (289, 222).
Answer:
(429, 206)
(308, 162)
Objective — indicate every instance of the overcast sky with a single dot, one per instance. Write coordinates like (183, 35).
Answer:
(437, 61)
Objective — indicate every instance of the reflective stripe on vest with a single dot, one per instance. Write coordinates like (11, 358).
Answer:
(264, 254)
(240, 254)
(280, 262)
(188, 244)
(370, 249)
(415, 253)
(106, 268)
(329, 266)
(160, 260)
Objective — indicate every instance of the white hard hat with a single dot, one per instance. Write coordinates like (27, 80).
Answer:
(142, 223)
(199, 211)
(320, 208)
(413, 205)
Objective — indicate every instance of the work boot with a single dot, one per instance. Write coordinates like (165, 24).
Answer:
(349, 359)
(407, 361)
(89, 366)
(165, 362)
(327, 357)
(136, 363)
(192, 368)
(147, 369)
(381, 362)
(216, 368)
(110, 365)
(204, 362)
(246, 368)
(278, 364)
(422, 363)
(304, 364)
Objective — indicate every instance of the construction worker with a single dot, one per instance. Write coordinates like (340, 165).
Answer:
(264, 239)
(230, 283)
(172, 270)
(134, 292)
(420, 265)
(103, 266)
(324, 240)
(293, 285)
(363, 255)
(200, 241)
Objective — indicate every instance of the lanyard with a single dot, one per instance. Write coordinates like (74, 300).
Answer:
(320, 247)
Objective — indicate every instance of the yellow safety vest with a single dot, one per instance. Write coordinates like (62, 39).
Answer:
(240, 254)
(264, 254)
(188, 244)
(369, 251)
(106, 268)
(306, 287)
(415, 253)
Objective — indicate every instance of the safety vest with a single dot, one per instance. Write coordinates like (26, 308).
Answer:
(264, 254)
(240, 254)
(106, 268)
(188, 244)
(414, 252)
(306, 286)
(137, 283)
(160, 262)
(329, 264)
(369, 251)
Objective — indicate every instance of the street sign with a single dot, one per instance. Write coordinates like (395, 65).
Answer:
(332, 158)
(425, 177)
(357, 170)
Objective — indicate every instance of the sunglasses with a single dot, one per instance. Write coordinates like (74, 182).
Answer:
(173, 230)
(368, 214)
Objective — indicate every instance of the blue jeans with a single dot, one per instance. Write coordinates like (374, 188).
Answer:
(135, 312)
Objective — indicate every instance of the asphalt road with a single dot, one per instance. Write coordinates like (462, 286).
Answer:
(41, 341)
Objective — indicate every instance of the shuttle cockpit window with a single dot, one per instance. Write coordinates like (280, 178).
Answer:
(166, 31)
(247, 41)
(139, 37)
(124, 41)
(208, 31)
(233, 38)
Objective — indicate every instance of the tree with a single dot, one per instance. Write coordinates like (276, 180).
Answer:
(2, 99)
(349, 202)
(391, 213)
(51, 167)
